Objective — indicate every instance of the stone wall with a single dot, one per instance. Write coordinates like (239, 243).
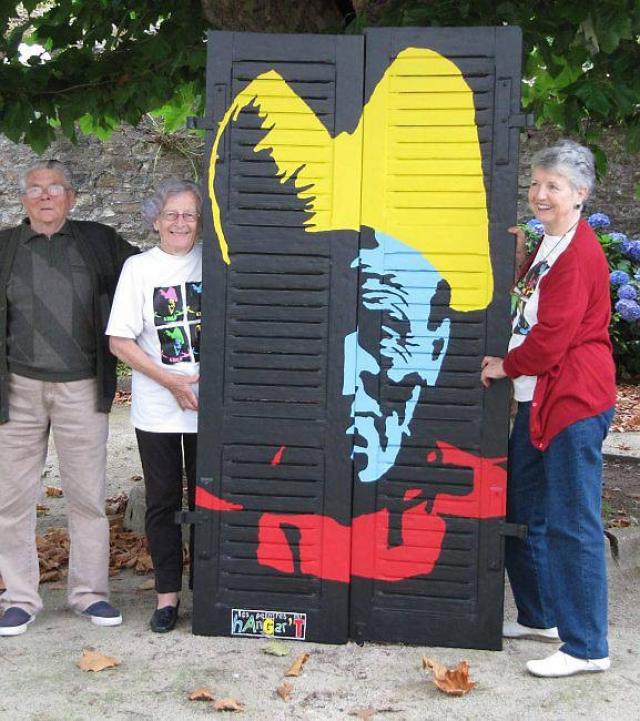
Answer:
(613, 195)
(112, 178)
(115, 176)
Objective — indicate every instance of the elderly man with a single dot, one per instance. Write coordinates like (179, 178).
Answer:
(57, 278)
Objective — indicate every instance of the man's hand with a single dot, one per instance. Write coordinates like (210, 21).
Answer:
(182, 390)
(492, 369)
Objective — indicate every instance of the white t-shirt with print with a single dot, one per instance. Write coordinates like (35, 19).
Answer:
(524, 305)
(157, 304)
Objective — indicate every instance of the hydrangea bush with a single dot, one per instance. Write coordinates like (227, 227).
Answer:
(623, 255)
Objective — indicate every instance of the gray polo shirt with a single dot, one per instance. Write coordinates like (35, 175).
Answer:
(50, 309)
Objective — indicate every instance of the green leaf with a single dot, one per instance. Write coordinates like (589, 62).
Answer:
(39, 135)
(593, 97)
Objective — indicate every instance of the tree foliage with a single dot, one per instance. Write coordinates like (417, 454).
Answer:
(111, 61)
(581, 56)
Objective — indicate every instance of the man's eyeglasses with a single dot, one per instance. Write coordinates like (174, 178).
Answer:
(35, 191)
(171, 216)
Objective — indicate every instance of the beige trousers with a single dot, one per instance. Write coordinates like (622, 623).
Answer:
(80, 436)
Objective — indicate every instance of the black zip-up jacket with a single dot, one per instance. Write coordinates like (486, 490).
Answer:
(104, 252)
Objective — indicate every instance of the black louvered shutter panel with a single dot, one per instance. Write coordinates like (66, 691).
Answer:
(276, 317)
(460, 601)
(346, 192)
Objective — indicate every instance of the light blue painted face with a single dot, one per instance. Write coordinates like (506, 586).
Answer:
(401, 283)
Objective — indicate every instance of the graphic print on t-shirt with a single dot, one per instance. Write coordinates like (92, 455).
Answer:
(167, 305)
(194, 294)
(194, 330)
(180, 335)
(174, 345)
(521, 293)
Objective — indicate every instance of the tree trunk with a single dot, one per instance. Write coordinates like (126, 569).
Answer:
(275, 16)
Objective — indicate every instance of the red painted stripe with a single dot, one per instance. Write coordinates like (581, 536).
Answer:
(205, 499)
(275, 461)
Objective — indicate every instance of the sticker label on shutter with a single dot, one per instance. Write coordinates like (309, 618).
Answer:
(272, 624)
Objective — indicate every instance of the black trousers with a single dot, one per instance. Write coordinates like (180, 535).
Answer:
(163, 456)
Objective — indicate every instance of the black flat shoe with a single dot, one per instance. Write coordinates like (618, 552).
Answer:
(164, 619)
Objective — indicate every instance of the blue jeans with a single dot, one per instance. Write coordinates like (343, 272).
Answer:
(558, 573)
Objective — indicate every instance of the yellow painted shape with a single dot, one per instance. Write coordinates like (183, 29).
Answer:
(416, 146)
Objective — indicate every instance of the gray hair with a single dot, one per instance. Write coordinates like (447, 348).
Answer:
(152, 207)
(570, 159)
(47, 165)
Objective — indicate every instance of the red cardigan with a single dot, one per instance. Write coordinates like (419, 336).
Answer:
(569, 349)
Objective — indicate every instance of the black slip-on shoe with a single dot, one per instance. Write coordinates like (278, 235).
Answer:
(164, 619)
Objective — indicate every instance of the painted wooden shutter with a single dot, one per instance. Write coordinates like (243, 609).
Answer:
(341, 187)
(444, 474)
(276, 316)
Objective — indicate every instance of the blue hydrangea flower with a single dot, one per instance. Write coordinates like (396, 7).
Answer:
(536, 226)
(621, 237)
(637, 276)
(632, 249)
(599, 220)
(628, 292)
(619, 277)
(629, 310)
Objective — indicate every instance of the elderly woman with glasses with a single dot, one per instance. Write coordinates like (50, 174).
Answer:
(561, 365)
(155, 327)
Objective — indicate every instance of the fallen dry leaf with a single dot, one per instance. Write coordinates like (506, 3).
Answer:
(147, 585)
(116, 504)
(122, 398)
(53, 491)
(620, 523)
(143, 563)
(95, 661)
(53, 553)
(296, 666)
(453, 681)
(228, 704)
(135, 477)
(49, 576)
(127, 550)
(627, 417)
(202, 694)
(363, 713)
(285, 690)
(276, 648)
(42, 510)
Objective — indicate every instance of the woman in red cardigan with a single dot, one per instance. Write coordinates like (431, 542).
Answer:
(563, 374)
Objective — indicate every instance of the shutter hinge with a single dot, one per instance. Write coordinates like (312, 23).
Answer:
(514, 530)
(359, 629)
(495, 550)
(521, 120)
(191, 518)
(194, 123)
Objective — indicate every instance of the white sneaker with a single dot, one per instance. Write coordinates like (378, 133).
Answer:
(513, 629)
(561, 664)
